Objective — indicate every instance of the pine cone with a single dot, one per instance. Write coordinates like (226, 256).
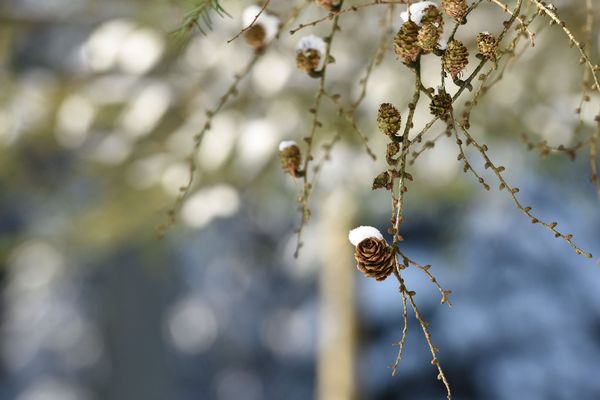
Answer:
(432, 15)
(255, 36)
(456, 9)
(488, 46)
(330, 5)
(389, 119)
(406, 43)
(428, 37)
(375, 258)
(441, 105)
(291, 157)
(455, 59)
(308, 60)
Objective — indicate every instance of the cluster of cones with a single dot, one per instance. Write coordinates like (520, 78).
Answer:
(422, 31)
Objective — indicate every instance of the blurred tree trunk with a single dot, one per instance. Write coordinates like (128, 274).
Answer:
(337, 319)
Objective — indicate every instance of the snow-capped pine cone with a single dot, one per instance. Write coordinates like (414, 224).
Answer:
(441, 105)
(455, 58)
(389, 120)
(255, 36)
(406, 43)
(455, 9)
(428, 37)
(374, 258)
(487, 45)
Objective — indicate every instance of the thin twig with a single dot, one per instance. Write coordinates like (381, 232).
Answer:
(463, 157)
(350, 114)
(513, 191)
(424, 327)
(505, 8)
(401, 170)
(336, 14)
(430, 144)
(231, 92)
(545, 149)
(402, 341)
(262, 9)
(310, 139)
(425, 268)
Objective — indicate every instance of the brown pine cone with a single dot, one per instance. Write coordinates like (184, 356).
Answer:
(456, 9)
(389, 120)
(255, 36)
(428, 37)
(291, 157)
(406, 43)
(374, 258)
(432, 15)
(441, 105)
(309, 60)
(455, 59)
(487, 45)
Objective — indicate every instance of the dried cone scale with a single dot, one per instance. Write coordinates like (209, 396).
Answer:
(383, 180)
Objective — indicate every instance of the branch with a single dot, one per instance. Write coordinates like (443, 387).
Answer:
(262, 9)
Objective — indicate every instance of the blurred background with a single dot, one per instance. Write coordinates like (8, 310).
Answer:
(99, 103)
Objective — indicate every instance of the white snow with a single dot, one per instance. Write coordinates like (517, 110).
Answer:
(311, 42)
(361, 233)
(442, 44)
(269, 22)
(417, 10)
(286, 143)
